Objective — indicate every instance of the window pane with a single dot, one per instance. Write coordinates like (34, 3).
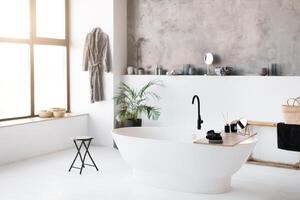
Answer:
(14, 80)
(50, 20)
(14, 18)
(50, 77)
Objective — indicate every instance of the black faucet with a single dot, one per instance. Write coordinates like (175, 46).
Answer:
(200, 121)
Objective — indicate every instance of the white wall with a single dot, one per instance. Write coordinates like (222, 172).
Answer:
(38, 138)
(256, 98)
(266, 148)
(28, 140)
(85, 15)
(111, 17)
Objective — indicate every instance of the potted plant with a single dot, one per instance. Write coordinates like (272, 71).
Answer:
(132, 105)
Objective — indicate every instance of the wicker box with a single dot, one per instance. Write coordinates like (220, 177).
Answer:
(291, 111)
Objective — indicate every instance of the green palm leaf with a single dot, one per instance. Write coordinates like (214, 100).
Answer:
(132, 102)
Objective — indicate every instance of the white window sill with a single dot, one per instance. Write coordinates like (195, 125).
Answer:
(18, 122)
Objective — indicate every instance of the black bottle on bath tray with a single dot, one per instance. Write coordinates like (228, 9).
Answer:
(227, 128)
(233, 127)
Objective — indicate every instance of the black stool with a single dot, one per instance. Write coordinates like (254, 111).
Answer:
(83, 141)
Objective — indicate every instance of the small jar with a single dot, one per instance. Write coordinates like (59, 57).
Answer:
(186, 69)
(140, 71)
(192, 71)
(136, 70)
(130, 70)
(233, 127)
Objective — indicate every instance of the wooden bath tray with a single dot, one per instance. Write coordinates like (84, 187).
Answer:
(229, 139)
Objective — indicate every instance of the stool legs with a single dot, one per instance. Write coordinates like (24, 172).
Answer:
(82, 158)
(88, 153)
(78, 153)
(78, 150)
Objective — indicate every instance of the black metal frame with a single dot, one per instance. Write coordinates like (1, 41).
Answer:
(82, 158)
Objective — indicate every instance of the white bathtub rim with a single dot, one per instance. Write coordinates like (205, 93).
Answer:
(116, 132)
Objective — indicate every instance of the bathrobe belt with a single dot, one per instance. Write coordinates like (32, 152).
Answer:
(98, 64)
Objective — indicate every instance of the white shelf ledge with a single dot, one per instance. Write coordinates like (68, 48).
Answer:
(18, 122)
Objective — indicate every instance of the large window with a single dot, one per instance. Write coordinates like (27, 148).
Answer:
(34, 67)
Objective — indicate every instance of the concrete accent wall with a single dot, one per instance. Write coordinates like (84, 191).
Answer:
(246, 34)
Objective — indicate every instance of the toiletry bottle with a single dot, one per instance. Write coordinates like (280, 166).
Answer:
(140, 71)
(233, 127)
(227, 128)
(158, 70)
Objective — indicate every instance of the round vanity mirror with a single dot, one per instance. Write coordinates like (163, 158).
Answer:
(209, 58)
(243, 123)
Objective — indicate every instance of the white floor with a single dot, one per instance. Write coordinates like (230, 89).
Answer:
(47, 178)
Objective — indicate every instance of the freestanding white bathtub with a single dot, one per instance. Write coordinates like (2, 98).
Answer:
(167, 158)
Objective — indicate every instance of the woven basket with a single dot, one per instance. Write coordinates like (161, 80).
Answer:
(291, 111)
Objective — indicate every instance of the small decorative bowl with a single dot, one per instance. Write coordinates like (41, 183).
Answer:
(45, 114)
(58, 112)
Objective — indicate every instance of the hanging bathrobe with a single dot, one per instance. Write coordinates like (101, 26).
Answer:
(96, 58)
